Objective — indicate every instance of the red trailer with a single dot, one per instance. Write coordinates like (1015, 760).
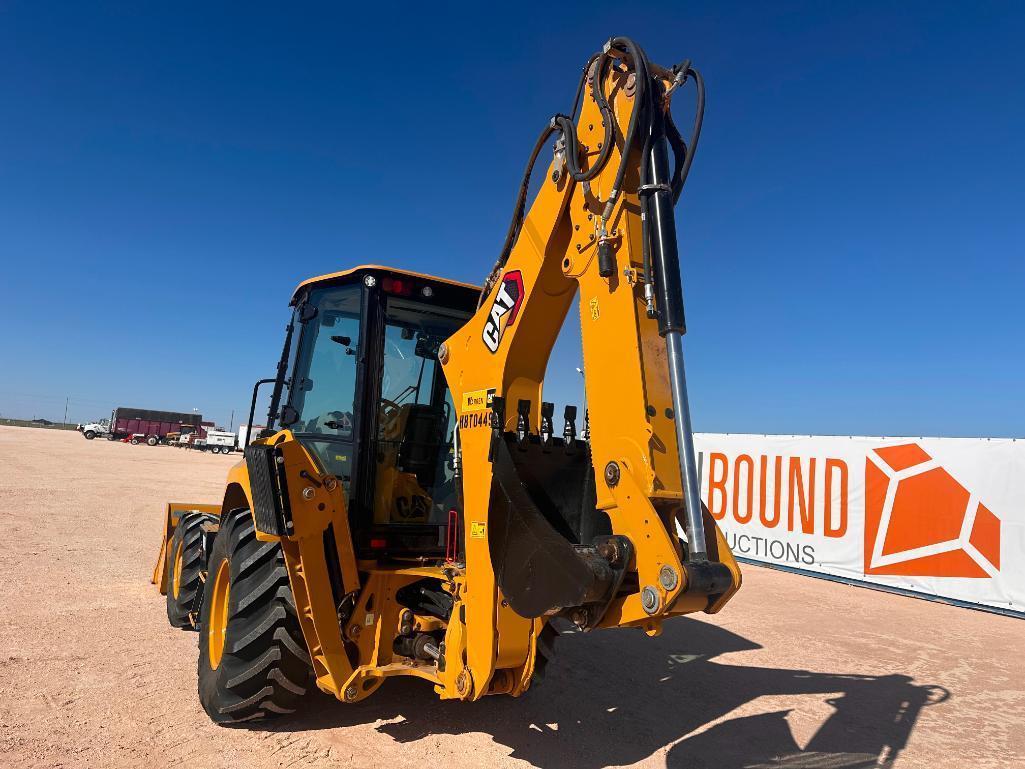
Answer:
(151, 426)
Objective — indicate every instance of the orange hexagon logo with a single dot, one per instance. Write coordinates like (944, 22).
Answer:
(920, 522)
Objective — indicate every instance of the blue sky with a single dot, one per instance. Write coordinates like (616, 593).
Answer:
(851, 234)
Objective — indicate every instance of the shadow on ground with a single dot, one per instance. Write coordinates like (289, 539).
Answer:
(617, 697)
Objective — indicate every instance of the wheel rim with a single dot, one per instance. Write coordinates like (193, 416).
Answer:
(176, 579)
(218, 624)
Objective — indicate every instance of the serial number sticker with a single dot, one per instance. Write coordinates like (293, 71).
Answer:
(341, 458)
(368, 620)
(478, 529)
(595, 314)
(477, 400)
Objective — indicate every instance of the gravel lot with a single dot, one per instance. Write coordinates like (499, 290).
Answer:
(796, 673)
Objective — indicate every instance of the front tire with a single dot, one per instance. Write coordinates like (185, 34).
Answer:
(253, 661)
(185, 567)
(89, 435)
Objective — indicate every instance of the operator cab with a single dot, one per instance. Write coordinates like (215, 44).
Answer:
(368, 399)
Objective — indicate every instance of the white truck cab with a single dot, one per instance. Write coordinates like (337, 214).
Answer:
(94, 429)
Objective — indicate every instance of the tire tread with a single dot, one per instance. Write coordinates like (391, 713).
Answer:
(265, 668)
(189, 534)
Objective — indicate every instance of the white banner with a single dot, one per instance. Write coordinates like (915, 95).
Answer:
(940, 516)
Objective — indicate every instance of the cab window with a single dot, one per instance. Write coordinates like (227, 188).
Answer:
(323, 389)
(416, 418)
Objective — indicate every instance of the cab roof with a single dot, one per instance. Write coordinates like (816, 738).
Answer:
(346, 276)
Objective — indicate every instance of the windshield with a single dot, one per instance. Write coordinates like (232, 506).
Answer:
(324, 379)
(415, 419)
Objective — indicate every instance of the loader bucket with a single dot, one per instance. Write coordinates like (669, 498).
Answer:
(172, 512)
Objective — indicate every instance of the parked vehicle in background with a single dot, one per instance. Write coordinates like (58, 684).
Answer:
(181, 437)
(218, 442)
(152, 426)
(92, 430)
(215, 441)
(243, 434)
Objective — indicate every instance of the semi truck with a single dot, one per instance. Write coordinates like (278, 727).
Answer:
(151, 426)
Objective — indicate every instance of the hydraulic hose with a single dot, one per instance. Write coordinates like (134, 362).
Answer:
(679, 148)
(676, 141)
(683, 155)
(580, 84)
(518, 212)
(568, 128)
(641, 80)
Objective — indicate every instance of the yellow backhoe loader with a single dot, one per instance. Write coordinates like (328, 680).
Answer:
(410, 509)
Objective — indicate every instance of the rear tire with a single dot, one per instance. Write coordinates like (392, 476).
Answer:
(185, 567)
(151, 441)
(253, 661)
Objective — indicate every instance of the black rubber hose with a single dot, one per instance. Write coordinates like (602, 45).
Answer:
(699, 116)
(569, 132)
(572, 149)
(646, 275)
(679, 147)
(580, 85)
(518, 212)
(564, 124)
(641, 79)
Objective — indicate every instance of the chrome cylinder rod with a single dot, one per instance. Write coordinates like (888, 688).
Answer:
(697, 547)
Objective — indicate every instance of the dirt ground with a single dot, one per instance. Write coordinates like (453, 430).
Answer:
(797, 672)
